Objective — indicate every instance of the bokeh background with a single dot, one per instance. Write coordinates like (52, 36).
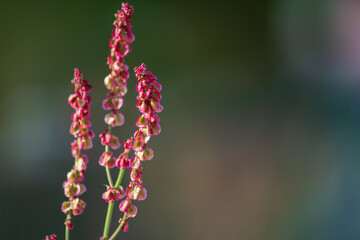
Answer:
(260, 132)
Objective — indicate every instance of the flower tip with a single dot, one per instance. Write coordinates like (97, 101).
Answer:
(51, 237)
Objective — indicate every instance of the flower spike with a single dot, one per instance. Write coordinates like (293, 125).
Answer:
(80, 129)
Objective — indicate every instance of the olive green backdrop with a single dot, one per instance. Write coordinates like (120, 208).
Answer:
(260, 132)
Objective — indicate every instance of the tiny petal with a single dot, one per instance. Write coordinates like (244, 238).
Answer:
(77, 206)
(65, 207)
(136, 191)
(132, 211)
(107, 103)
(117, 103)
(106, 159)
(141, 122)
(122, 161)
(114, 119)
(125, 227)
(113, 194)
(69, 224)
(149, 154)
(109, 82)
(135, 162)
(75, 175)
(137, 145)
(136, 174)
(124, 205)
(81, 162)
(114, 142)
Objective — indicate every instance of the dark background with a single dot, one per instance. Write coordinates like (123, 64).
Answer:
(260, 132)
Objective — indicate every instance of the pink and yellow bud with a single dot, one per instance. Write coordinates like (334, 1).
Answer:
(69, 224)
(136, 174)
(75, 175)
(72, 189)
(107, 160)
(109, 139)
(77, 206)
(81, 162)
(125, 226)
(114, 119)
(51, 237)
(136, 191)
(126, 207)
(113, 194)
(122, 161)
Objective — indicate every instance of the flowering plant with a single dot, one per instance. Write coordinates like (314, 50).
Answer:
(148, 123)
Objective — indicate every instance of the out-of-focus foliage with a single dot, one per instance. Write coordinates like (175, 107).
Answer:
(260, 132)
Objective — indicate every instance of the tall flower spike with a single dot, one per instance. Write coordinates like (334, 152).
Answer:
(116, 82)
(80, 129)
(148, 123)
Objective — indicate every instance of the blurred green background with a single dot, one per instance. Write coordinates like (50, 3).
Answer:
(260, 132)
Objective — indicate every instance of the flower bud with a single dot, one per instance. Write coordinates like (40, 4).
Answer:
(106, 159)
(113, 194)
(125, 227)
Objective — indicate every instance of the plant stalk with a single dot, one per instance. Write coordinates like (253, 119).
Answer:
(119, 227)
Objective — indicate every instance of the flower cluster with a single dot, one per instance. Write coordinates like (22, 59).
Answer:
(51, 237)
(106, 159)
(116, 81)
(73, 187)
(148, 123)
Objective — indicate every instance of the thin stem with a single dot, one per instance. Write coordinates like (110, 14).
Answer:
(120, 177)
(108, 220)
(119, 227)
(108, 174)
(111, 204)
(67, 230)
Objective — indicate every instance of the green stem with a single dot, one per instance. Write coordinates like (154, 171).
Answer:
(108, 174)
(119, 227)
(67, 230)
(111, 205)
(108, 220)
(120, 177)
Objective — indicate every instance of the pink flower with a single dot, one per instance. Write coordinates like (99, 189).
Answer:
(149, 104)
(113, 194)
(69, 224)
(116, 82)
(81, 162)
(75, 176)
(51, 237)
(125, 227)
(136, 174)
(114, 119)
(119, 46)
(75, 204)
(122, 161)
(136, 191)
(126, 207)
(109, 139)
(73, 189)
(80, 128)
(106, 159)
(128, 144)
(75, 148)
